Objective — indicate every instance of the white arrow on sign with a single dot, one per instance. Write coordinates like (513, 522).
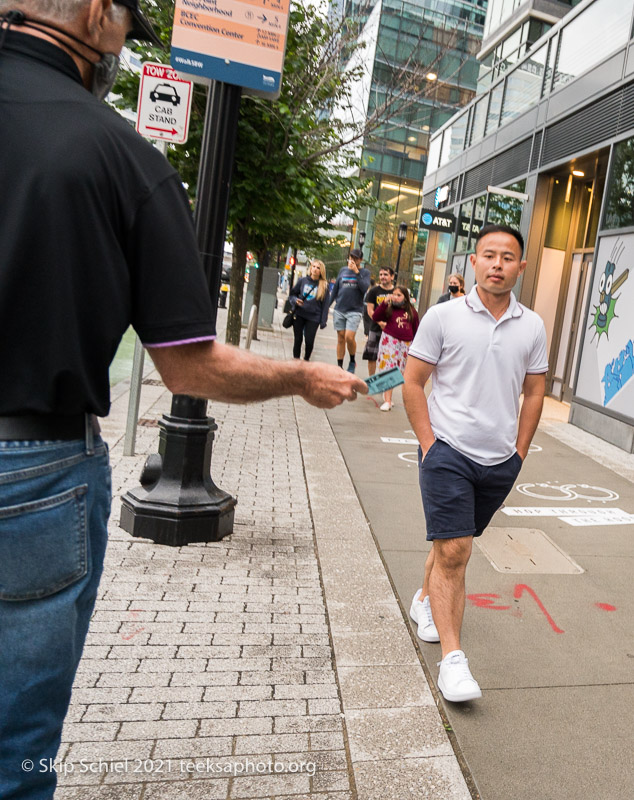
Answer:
(164, 106)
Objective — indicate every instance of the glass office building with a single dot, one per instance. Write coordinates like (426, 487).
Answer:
(549, 148)
(437, 42)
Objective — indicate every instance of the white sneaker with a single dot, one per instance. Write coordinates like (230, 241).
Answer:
(455, 680)
(420, 612)
(386, 406)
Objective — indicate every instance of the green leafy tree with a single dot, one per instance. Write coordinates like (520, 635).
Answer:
(297, 157)
(293, 171)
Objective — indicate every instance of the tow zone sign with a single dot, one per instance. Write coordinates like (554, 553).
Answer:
(164, 105)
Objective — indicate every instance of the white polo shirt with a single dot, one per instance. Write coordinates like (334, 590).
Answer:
(480, 364)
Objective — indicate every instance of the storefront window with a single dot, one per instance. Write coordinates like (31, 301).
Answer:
(478, 215)
(440, 267)
(559, 216)
(585, 199)
(464, 224)
(595, 211)
(505, 210)
(418, 266)
(619, 206)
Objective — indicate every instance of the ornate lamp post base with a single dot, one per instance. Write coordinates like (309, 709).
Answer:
(178, 502)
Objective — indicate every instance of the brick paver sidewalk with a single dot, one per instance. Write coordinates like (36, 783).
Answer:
(242, 669)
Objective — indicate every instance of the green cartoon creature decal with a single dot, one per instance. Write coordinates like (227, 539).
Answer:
(604, 311)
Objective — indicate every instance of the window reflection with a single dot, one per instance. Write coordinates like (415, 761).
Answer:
(495, 106)
(479, 120)
(619, 206)
(589, 38)
(505, 210)
(524, 85)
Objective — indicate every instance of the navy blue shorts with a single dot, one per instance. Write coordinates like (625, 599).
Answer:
(460, 496)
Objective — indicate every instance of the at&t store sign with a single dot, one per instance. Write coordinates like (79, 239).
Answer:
(437, 221)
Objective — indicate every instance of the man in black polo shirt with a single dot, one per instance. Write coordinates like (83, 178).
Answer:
(95, 234)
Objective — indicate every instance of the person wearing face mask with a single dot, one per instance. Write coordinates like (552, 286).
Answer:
(399, 322)
(95, 234)
(455, 288)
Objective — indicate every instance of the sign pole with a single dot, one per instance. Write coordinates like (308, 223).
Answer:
(178, 503)
(234, 45)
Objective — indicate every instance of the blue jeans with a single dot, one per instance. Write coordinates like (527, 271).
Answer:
(54, 508)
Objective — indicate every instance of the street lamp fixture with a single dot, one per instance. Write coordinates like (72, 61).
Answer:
(431, 76)
(401, 236)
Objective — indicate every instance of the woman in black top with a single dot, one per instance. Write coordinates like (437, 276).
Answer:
(309, 299)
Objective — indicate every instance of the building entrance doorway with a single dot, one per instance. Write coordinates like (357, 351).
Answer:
(565, 371)
(570, 232)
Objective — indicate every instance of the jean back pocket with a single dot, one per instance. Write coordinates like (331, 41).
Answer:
(43, 545)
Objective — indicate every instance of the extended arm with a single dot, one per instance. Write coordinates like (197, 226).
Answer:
(534, 390)
(379, 312)
(379, 315)
(294, 293)
(417, 373)
(363, 280)
(220, 372)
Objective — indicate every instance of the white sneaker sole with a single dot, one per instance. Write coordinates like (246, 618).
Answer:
(433, 639)
(458, 698)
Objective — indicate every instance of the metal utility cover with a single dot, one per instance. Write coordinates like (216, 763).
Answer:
(518, 550)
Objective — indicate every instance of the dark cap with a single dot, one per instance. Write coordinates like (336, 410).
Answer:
(142, 30)
(356, 254)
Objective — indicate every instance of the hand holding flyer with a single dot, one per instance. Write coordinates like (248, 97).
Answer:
(383, 381)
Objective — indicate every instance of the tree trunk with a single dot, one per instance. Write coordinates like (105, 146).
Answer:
(238, 266)
(263, 261)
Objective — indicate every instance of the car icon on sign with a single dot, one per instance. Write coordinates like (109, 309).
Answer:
(165, 92)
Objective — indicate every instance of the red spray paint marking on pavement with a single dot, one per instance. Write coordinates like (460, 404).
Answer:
(484, 600)
(605, 607)
(519, 591)
(133, 613)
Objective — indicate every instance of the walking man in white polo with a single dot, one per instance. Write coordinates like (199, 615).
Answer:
(482, 351)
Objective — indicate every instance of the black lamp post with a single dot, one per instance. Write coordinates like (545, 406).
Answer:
(401, 235)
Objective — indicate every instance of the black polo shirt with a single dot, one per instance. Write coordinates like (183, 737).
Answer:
(95, 234)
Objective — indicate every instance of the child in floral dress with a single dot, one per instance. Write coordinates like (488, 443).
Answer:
(399, 320)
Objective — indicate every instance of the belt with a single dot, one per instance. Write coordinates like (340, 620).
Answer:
(46, 427)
